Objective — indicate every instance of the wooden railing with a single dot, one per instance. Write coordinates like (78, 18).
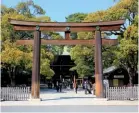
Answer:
(122, 93)
(15, 93)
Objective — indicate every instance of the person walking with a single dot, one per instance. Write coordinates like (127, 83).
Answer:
(60, 86)
(94, 89)
(76, 88)
(57, 86)
(89, 88)
(85, 86)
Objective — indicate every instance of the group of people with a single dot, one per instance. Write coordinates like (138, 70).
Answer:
(59, 86)
(87, 86)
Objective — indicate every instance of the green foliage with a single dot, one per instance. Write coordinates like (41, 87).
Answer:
(57, 50)
(75, 17)
(5, 10)
(95, 17)
(125, 9)
(11, 54)
(92, 17)
(46, 58)
(29, 9)
(135, 21)
(15, 58)
(83, 58)
(7, 31)
(125, 54)
(41, 19)
(108, 56)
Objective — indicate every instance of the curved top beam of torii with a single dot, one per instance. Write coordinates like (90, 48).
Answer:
(62, 26)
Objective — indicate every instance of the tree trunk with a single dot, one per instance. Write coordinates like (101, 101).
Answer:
(12, 82)
(12, 75)
(130, 72)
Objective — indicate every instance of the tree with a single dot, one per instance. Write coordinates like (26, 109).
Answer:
(23, 11)
(46, 59)
(80, 67)
(7, 31)
(92, 17)
(120, 55)
(29, 9)
(124, 9)
(75, 17)
(5, 10)
(108, 55)
(83, 58)
(127, 52)
(56, 50)
(12, 57)
(15, 58)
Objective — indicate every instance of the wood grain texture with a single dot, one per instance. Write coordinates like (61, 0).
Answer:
(68, 42)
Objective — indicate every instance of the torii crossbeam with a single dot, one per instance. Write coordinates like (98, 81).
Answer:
(68, 42)
(67, 27)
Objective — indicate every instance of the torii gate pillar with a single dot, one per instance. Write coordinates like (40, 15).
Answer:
(35, 88)
(98, 64)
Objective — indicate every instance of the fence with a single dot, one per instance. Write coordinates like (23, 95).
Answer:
(122, 93)
(15, 93)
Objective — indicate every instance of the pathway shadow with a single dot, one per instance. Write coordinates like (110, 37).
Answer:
(45, 92)
(62, 98)
(50, 91)
(53, 91)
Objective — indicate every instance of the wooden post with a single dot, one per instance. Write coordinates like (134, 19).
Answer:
(67, 35)
(98, 64)
(35, 88)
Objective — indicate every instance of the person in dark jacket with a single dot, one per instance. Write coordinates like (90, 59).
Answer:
(76, 88)
(89, 88)
(60, 86)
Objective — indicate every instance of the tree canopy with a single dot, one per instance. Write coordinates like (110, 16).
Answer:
(19, 57)
(125, 54)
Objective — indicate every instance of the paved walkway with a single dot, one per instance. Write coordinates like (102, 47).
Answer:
(71, 109)
(67, 97)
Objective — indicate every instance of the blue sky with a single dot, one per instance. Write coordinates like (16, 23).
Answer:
(59, 9)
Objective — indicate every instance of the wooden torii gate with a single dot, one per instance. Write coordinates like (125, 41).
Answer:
(66, 27)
